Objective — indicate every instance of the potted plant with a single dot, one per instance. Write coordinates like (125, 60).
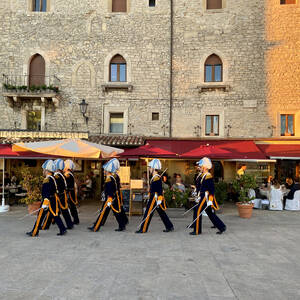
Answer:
(242, 185)
(221, 192)
(177, 202)
(32, 183)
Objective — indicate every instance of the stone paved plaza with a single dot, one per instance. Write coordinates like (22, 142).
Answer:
(254, 259)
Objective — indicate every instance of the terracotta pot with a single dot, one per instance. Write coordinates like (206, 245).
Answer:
(245, 210)
(34, 206)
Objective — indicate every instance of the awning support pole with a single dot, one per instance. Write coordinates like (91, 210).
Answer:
(3, 207)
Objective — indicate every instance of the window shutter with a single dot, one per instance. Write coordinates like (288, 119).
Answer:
(37, 71)
(119, 5)
(214, 4)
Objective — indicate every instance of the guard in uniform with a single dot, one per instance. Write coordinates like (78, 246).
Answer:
(71, 190)
(116, 167)
(49, 201)
(61, 188)
(112, 200)
(156, 200)
(206, 200)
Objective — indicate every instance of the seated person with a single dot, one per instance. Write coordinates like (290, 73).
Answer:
(7, 180)
(292, 186)
(165, 182)
(178, 185)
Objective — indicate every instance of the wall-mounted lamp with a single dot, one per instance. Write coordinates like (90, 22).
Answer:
(83, 108)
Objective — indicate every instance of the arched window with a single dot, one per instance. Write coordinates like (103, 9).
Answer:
(118, 72)
(213, 69)
(37, 71)
(119, 5)
(39, 5)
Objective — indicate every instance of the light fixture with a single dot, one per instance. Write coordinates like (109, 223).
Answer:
(83, 108)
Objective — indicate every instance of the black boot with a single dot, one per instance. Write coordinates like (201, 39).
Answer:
(139, 231)
(221, 231)
(169, 229)
(91, 228)
(120, 229)
(62, 232)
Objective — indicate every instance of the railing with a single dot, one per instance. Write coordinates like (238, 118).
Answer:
(30, 83)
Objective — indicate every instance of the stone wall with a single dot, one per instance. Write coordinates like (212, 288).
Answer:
(257, 41)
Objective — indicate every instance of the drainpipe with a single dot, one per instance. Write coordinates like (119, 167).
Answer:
(171, 68)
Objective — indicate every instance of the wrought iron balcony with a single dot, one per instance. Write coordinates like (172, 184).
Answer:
(15, 87)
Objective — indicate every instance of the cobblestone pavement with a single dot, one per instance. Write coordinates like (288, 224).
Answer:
(254, 259)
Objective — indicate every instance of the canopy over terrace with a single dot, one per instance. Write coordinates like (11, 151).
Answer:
(287, 150)
(242, 150)
(73, 148)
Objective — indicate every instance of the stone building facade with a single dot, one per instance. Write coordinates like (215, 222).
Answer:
(165, 46)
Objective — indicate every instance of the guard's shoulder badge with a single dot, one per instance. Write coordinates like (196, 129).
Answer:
(46, 180)
(108, 179)
(208, 176)
(67, 175)
(56, 176)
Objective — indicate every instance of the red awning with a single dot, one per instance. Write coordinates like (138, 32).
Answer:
(6, 152)
(281, 151)
(148, 151)
(236, 149)
(210, 151)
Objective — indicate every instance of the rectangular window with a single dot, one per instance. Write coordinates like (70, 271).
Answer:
(212, 125)
(288, 1)
(34, 120)
(151, 3)
(213, 4)
(155, 116)
(287, 125)
(113, 72)
(122, 72)
(39, 5)
(116, 123)
(119, 5)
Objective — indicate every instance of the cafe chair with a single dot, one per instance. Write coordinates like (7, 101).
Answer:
(257, 202)
(293, 204)
(276, 197)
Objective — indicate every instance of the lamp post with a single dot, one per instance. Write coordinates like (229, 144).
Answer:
(83, 108)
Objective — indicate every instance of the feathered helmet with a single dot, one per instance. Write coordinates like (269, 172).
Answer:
(49, 165)
(206, 163)
(59, 164)
(69, 165)
(155, 164)
(112, 166)
(199, 163)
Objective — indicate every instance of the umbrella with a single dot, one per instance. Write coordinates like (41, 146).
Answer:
(74, 148)
(208, 150)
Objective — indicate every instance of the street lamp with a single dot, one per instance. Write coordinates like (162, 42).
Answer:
(83, 108)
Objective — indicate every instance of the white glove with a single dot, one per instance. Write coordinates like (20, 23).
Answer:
(156, 197)
(209, 203)
(158, 202)
(45, 206)
(108, 203)
(206, 195)
(197, 200)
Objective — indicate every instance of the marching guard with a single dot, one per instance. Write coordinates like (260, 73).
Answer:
(112, 198)
(206, 199)
(61, 187)
(71, 190)
(115, 162)
(156, 200)
(49, 201)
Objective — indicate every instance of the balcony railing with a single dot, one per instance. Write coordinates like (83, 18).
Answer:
(30, 84)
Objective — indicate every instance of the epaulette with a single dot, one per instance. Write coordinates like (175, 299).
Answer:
(208, 176)
(67, 175)
(156, 178)
(56, 176)
(108, 179)
(46, 180)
